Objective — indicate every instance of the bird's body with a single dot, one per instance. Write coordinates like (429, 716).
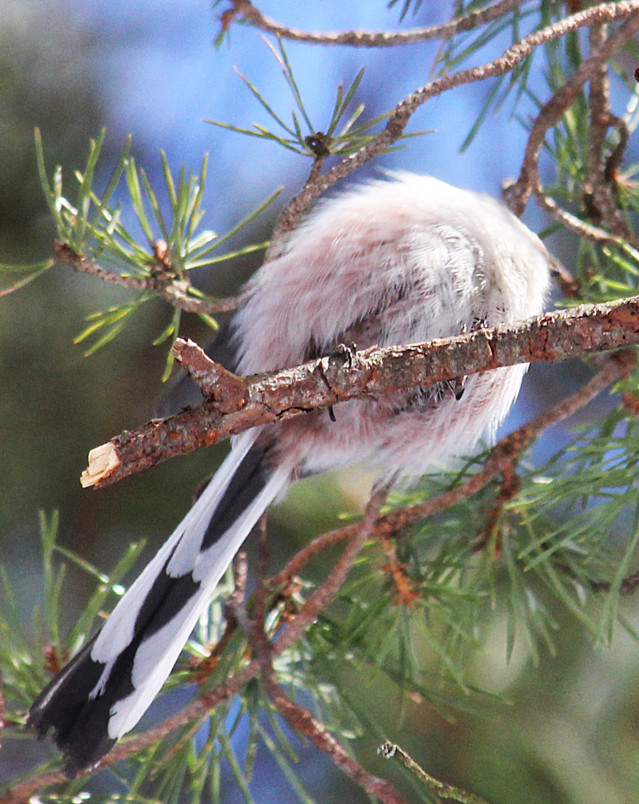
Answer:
(392, 263)
(387, 263)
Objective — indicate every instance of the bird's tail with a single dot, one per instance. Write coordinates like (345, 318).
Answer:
(106, 688)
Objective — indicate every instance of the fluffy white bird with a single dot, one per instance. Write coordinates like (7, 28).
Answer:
(390, 262)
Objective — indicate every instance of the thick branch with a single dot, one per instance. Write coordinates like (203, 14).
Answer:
(320, 383)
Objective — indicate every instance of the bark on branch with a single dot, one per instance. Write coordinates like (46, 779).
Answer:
(174, 290)
(240, 403)
(466, 22)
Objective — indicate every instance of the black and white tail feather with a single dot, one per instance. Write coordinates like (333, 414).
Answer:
(106, 688)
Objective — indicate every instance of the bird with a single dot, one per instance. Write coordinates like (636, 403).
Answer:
(400, 259)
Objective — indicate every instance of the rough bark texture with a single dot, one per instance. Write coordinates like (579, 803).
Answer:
(241, 403)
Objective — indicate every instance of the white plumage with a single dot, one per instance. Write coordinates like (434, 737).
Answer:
(438, 261)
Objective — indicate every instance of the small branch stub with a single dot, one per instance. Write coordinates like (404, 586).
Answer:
(226, 388)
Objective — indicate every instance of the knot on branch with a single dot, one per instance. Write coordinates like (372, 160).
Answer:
(163, 271)
(62, 252)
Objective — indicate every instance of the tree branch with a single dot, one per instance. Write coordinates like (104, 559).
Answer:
(401, 114)
(173, 290)
(466, 22)
(267, 398)
(552, 111)
(297, 716)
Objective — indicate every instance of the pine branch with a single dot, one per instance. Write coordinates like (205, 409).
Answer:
(555, 108)
(501, 458)
(297, 716)
(204, 703)
(466, 22)
(502, 65)
(601, 173)
(265, 398)
(174, 290)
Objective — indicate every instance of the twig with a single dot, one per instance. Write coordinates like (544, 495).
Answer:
(600, 183)
(301, 720)
(277, 243)
(23, 791)
(628, 586)
(552, 111)
(214, 380)
(614, 160)
(466, 22)
(240, 569)
(443, 790)
(601, 173)
(320, 598)
(261, 592)
(174, 291)
(598, 106)
(320, 383)
(298, 717)
(204, 667)
(402, 112)
(580, 227)
(489, 533)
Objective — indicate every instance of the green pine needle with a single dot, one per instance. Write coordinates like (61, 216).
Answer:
(90, 226)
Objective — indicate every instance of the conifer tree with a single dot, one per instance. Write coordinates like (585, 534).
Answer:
(524, 542)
